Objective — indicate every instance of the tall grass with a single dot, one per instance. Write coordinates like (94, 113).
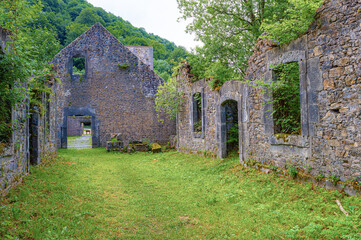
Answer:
(91, 194)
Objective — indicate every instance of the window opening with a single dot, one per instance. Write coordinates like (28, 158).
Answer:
(286, 99)
(78, 65)
(47, 103)
(197, 112)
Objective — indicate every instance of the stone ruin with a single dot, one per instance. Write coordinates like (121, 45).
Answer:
(33, 138)
(115, 93)
(329, 143)
(116, 90)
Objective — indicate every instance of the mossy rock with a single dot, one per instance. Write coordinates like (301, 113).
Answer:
(156, 148)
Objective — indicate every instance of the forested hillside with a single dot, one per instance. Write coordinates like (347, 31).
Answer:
(67, 19)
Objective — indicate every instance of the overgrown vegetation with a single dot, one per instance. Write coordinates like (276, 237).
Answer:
(232, 128)
(197, 112)
(78, 65)
(286, 99)
(26, 56)
(229, 29)
(91, 194)
(295, 20)
(168, 100)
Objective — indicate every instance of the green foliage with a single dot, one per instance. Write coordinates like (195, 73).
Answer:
(216, 72)
(229, 29)
(197, 115)
(285, 92)
(123, 66)
(293, 171)
(168, 100)
(162, 68)
(66, 20)
(319, 177)
(334, 179)
(78, 65)
(31, 47)
(286, 99)
(233, 135)
(296, 20)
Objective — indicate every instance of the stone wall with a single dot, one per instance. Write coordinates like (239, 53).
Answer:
(14, 154)
(117, 90)
(329, 57)
(144, 54)
(212, 138)
(42, 128)
(75, 125)
(32, 140)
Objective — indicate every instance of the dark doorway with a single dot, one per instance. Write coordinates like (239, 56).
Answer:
(229, 128)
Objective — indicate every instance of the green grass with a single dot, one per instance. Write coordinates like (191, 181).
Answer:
(91, 194)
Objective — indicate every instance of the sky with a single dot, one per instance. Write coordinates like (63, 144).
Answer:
(155, 16)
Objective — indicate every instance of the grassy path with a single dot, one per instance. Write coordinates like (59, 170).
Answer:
(91, 194)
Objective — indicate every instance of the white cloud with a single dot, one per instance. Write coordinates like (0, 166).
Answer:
(155, 16)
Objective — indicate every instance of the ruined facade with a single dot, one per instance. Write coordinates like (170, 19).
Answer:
(117, 89)
(33, 136)
(329, 58)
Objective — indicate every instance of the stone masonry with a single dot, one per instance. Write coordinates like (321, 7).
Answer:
(32, 140)
(76, 125)
(329, 58)
(117, 90)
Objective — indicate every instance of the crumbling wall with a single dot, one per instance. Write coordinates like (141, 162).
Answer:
(16, 156)
(329, 57)
(117, 90)
(144, 54)
(210, 140)
(42, 127)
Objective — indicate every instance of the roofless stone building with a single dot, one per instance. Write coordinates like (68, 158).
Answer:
(328, 144)
(115, 91)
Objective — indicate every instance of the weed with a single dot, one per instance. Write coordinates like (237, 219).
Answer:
(319, 177)
(334, 179)
(293, 171)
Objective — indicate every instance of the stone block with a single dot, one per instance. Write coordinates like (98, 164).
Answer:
(141, 147)
(328, 84)
(156, 148)
(336, 72)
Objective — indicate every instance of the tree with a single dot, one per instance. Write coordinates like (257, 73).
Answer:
(295, 21)
(229, 28)
(168, 99)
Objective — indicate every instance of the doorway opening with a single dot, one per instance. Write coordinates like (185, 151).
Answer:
(79, 131)
(230, 128)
